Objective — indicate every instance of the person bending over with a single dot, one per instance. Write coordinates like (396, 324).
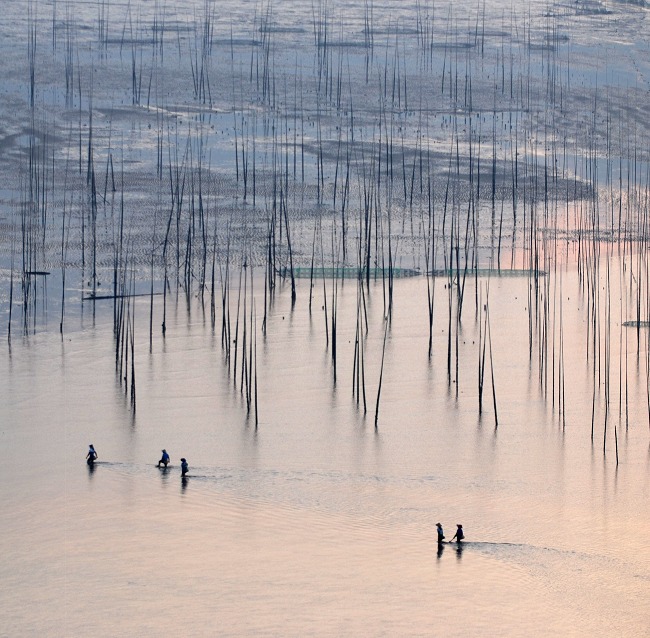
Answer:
(165, 459)
(459, 535)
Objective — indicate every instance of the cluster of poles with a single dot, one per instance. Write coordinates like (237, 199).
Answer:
(461, 147)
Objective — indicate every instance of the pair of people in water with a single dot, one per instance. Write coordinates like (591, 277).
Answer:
(458, 536)
(165, 461)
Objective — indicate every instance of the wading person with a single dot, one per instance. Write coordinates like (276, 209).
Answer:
(91, 457)
(459, 535)
(441, 534)
(184, 467)
(164, 460)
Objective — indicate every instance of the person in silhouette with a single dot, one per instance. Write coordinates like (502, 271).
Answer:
(441, 534)
(165, 459)
(459, 535)
(184, 467)
(91, 457)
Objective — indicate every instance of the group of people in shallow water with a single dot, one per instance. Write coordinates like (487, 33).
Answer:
(165, 460)
(91, 457)
(458, 536)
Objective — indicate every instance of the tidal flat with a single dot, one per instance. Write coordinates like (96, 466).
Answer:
(368, 266)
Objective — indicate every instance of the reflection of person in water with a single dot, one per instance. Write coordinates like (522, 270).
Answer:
(91, 457)
(441, 534)
(184, 467)
(165, 459)
(459, 535)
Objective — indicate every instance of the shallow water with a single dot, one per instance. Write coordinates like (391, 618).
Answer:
(315, 522)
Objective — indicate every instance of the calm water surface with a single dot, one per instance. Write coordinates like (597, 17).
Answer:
(315, 522)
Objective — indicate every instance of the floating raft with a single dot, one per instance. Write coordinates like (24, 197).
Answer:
(487, 272)
(348, 273)
(95, 297)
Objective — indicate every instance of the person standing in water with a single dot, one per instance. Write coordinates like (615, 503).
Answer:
(184, 467)
(441, 534)
(165, 459)
(91, 457)
(459, 535)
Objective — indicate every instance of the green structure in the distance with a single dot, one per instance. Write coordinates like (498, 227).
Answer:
(488, 272)
(636, 324)
(346, 272)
